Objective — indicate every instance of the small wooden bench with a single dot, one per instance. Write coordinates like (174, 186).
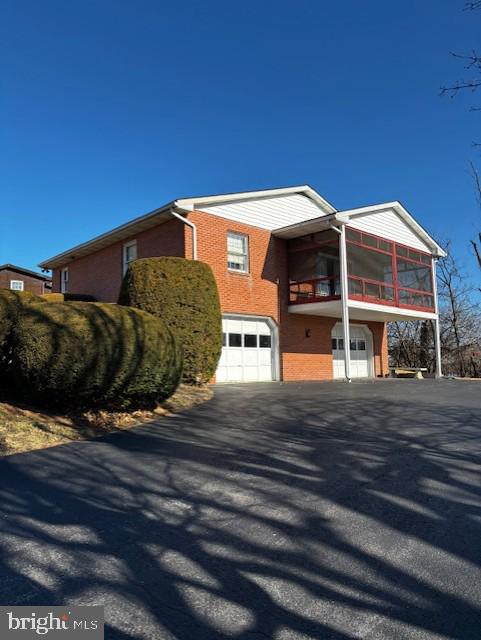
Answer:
(408, 372)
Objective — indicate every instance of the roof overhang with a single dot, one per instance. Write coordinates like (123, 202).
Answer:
(142, 223)
(26, 272)
(369, 312)
(158, 216)
(307, 226)
(344, 217)
(305, 190)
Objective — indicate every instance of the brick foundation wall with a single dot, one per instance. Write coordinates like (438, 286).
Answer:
(379, 334)
(306, 352)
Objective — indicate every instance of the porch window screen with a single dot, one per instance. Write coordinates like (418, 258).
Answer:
(414, 276)
(371, 265)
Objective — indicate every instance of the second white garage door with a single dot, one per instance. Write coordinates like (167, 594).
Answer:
(361, 351)
(247, 351)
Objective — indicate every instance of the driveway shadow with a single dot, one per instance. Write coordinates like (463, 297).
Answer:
(275, 511)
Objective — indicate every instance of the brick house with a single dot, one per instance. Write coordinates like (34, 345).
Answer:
(305, 290)
(20, 279)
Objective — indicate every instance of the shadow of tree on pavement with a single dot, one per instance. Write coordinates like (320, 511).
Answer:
(275, 511)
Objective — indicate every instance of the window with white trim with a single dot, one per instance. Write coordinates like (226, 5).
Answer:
(64, 280)
(129, 255)
(16, 285)
(237, 252)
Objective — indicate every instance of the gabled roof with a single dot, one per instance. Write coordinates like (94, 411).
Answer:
(402, 212)
(27, 272)
(349, 215)
(328, 215)
(181, 205)
(304, 190)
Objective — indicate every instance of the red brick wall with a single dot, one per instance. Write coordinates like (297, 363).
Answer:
(306, 347)
(100, 274)
(31, 284)
(306, 352)
(263, 291)
(379, 334)
(252, 293)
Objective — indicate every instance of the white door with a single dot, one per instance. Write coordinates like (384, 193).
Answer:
(247, 351)
(361, 352)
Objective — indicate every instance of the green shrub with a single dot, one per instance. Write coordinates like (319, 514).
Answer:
(53, 297)
(68, 297)
(184, 294)
(11, 304)
(81, 353)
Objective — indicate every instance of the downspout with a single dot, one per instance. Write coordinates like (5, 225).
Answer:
(344, 300)
(437, 336)
(194, 231)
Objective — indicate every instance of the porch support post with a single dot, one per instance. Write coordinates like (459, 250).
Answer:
(437, 337)
(344, 301)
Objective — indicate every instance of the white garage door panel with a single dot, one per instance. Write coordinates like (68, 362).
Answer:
(246, 357)
(265, 357)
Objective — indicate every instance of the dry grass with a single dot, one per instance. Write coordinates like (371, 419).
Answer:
(23, 428)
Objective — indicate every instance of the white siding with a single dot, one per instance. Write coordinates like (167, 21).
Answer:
(268, 213)
(390, 225)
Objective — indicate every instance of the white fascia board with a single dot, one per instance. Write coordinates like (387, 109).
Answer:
(390, 312)
(349, 214)
(105, 239)
(309, 192)
(306, 226)
(361, 311)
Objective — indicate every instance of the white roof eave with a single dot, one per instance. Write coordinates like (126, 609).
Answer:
(344, 217)
(349, 214)
(306, 190)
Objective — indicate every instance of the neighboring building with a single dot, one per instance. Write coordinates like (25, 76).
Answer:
(298, 280)
(20, 279)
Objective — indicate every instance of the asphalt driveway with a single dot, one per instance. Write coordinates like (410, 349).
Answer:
(273, 511)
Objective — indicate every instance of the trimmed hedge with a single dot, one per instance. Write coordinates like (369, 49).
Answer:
(81, 353)
(184, 294)
(68, 297)
(53, 297)
(11, 304)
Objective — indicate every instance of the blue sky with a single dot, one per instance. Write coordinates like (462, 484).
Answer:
(110, 109)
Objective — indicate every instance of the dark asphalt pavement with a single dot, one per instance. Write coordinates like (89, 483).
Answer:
(280, 511)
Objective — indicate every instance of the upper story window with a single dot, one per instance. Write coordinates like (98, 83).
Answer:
(64, 280)
(237, 252)
(129, 255)
(16, 285)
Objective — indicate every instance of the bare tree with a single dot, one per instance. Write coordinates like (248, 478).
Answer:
(472, 65)
(411, 344)
(459, 315)
(476, 244)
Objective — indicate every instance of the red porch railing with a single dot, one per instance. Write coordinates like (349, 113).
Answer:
(373, 290)
(315, 290)
(363, 289)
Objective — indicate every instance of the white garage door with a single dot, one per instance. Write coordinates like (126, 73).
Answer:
(361, 350)
(247, 352)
